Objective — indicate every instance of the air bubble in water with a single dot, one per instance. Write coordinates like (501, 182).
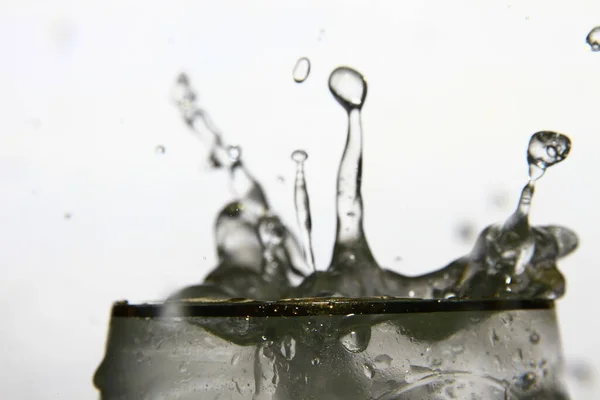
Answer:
(348, 87)
(301, 70)
(545, 149)
(593, 39)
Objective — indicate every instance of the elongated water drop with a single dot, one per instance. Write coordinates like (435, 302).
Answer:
(301, 70)
(593, 39)
(546, 148)
(349, 88)
(302, 204)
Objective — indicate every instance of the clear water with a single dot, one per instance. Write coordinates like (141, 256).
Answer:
(259, 257)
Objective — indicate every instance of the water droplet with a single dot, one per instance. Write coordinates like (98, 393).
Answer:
(527, 380)
(545, 149)
(369, 371)
(356, 340)
(315, 361)
(160, 149)
(348, 87)
(235, 359)
(534, 338)
(593, 39)
(299, 156)
(288, 347)
(301, 70)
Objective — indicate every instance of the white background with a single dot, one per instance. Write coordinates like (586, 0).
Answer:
(456, 89)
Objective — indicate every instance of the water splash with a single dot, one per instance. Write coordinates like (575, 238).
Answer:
(301, 70)
(258, 253)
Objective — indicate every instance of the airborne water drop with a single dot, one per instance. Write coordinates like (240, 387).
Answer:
(301, 70)
(593, 39)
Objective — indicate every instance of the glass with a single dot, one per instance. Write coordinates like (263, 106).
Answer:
(333, 349)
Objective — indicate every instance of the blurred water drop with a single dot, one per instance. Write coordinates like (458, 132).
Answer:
(67, 216)
(593, 39)
(534, 338)
(527, 380)
(160, 149)
(301, 70)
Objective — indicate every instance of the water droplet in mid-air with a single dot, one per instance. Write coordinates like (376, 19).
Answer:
(301, 70)
(545, 149)
(299, 156)
(593, 39)
(348, 87)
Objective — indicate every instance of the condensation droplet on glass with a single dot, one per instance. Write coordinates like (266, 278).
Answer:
(369, 371)
(593, 39)
(301, 70)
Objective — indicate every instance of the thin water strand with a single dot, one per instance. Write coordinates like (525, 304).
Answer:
(302, 205)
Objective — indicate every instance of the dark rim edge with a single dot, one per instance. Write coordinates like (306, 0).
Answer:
(324, 307)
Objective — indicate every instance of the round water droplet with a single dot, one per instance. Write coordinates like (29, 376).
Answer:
(545, 149)
(348, 87)
(160, 149)
(315, 361)
(299, 156)
(301, 70)
(593, 39)
(356, 340)
(534, 338)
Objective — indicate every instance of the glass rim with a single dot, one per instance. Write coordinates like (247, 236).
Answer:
(321, 306)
